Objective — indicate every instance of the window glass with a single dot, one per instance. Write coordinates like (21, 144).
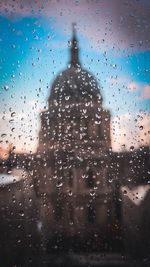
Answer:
(74, 133)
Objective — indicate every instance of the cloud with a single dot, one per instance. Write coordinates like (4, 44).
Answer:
(142, 90)
(4, 152)
(130, 130)
(107, 24)
(146, 92)
(133, 86)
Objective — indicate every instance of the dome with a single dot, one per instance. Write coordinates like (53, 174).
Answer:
(74, 84)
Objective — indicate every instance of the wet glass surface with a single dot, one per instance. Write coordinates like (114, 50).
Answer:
(74, 133)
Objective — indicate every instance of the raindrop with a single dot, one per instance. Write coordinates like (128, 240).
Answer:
(125, 192)
(59, 184)
(13, 46)
(70, 193)
(110, 180)
(97, 122)
(13, 114)
(67, 97)
(21, 214)
(6, 87)
(69, 43)
(131, 148)
(11, 121)
(3, 135)
(141, 127)
(92, 193)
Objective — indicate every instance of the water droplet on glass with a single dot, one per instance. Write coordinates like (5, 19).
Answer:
(3, 135)
(59, 184)
(13, 46)
(141, 127)
(6, 87)
(13, 114)
(21, 214)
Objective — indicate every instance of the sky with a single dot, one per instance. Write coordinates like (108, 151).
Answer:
(114, 46)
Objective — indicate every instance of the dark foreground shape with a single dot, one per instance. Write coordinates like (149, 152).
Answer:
(88, 260)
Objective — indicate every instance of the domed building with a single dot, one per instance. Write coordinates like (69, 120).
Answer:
(74, 140)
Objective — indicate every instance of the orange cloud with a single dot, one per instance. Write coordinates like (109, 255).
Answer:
(4, 152)
(146, 92)
(133, 86)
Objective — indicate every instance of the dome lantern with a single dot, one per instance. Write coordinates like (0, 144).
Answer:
(74, 61)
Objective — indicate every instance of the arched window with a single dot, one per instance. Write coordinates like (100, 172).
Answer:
(83, 128)
(91, 214)
(58, 211)
(71, 213)
(70, 178)
(100, 131)
(89, 179)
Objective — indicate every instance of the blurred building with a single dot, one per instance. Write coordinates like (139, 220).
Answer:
(74, 141)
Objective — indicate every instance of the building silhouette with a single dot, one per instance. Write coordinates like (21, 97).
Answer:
(74, 141)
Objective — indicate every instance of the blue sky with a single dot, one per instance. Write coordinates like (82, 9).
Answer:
(35, 48)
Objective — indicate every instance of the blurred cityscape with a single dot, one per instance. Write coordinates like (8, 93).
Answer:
(75, 202)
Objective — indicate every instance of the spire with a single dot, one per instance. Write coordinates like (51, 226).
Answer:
(74, 47)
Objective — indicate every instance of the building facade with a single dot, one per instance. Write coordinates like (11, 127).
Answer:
(74, 142)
